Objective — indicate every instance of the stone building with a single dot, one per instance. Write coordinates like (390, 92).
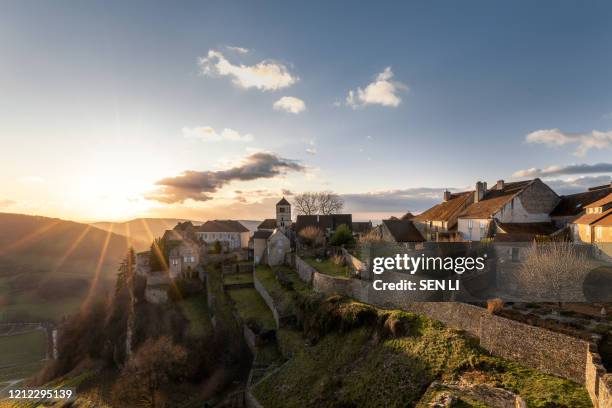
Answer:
(439, 223)
(572, 206)
(231, 234)
(595, 226)
(277, 248)
(529, 201)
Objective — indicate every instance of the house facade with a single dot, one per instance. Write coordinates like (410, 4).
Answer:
(521, 202)
(595, 226)
(183, 259)
(573, 206)
(440, 222)
(231, 234)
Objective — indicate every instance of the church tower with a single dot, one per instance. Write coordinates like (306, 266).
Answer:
(283, 214)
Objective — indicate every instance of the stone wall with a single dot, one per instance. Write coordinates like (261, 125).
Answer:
(535, 347)
(304, 269)
(267, 298)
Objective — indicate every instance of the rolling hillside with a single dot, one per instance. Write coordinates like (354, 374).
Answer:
(47, 265)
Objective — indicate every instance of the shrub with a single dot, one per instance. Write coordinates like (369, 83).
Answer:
(312, 237)
(342, 236)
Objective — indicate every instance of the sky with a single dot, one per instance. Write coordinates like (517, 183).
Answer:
(114, 110)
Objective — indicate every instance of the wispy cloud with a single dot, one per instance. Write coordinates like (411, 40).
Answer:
(4, 203)
(584, 141)
(565, 170)
(400, 200)
(290, 104)
(266, 75)
(311, 150)
(382, 91)
(208, 134)
(239, 50)
(198, 185)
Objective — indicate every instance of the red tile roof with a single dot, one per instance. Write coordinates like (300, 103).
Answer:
(605, 221)
(588, 219)
(535, 228)
(600, 203)
(494, 200)
(447, 210)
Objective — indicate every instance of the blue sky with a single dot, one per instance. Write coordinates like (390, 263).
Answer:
(99, 100)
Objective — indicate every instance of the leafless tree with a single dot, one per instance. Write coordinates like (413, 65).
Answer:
(554, 271)
(329, 203)
(325, 202)
(305, 203)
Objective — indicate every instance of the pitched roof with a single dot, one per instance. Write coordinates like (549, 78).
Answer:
(574, 204)
(600, 203)
(605, 221)
(268, 223)
(446, 210)
(362, 226)
(262, 234)
(495, 199)
(283, 201)
(403, 231)
(222, 226)
(588, 219)
(331, 221)
(407, 216)
(533, 228)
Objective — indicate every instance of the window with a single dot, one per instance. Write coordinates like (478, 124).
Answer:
(483, 229)
(281, 210)
(174, 261)
(189, 259)
(598, 232)
(470, 224)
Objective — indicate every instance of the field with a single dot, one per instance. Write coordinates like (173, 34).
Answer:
(328, 267)
(251, 307)
(21, 355)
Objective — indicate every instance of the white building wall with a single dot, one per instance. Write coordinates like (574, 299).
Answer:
(473, 229)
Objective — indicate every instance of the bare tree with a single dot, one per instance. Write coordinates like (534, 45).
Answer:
(553, 271)
(325, 202)
(306, 203)
(329, 203)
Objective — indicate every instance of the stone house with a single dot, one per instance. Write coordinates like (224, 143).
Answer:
(401, 232)
(529, 201)
(439, 223)
(231, 234)
(278, 245)
(184, 253)
(258, 245)
(572, 206)
(595, 226)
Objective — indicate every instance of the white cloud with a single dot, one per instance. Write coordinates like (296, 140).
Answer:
(266, 75)
(290, 104)
(585, 141)
(577, 184)
(565, 170)
(311, 150)
(383, 91)
(208, 134)
(239, 50)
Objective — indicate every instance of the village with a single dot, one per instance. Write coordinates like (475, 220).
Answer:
(256, 274)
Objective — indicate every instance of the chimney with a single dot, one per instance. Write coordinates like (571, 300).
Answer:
(481, 189)
(500, 185)
(447, 195)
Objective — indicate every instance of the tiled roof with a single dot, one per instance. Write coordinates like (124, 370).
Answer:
(323, 222)
(403, 231)
(262, 234)
(574, 204)
(600, 203)
(494, 200)
(588, 219)
(605, 221)
(222, 226)
(268, 223)
(447, 210)
(534, 228)
(283, 201)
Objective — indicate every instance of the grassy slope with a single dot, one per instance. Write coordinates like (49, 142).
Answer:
(357, 366)
(26, 350)
(251, 306)
(195, 311)
(47, 264)
(327, 267)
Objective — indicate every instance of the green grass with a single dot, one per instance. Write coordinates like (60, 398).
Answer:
(361, 365)
(250, 306)
(327, 267)
(195, 311)
(21, 354)
(236, 278)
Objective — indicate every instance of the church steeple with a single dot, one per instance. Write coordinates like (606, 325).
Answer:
(283, 214)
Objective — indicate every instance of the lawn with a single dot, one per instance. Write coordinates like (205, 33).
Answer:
(195, 311)
(21, 354)
(237, 278)
(328, 267)
(250, 306)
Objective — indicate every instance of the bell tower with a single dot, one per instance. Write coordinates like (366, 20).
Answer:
(283, 214)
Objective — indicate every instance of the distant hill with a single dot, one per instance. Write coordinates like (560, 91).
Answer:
(141, 229)
(47, 264)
